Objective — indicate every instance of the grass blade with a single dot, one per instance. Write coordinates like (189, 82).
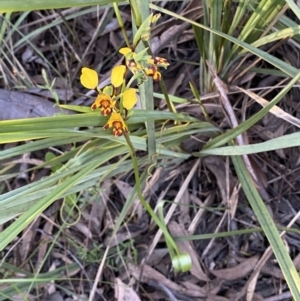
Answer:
(20, 5)
(287, 267)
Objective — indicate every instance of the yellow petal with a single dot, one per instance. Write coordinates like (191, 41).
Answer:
(117, 75)
(125, 50)
(129, 98)
(89, 78)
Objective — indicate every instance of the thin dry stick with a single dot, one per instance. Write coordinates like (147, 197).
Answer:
(277, 86)
(196, 220)
(99, 273)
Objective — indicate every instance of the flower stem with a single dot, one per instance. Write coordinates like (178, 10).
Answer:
(163, 228)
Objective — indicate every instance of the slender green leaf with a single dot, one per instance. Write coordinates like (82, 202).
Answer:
(26, 218)
(287, 267)
(20, 5)
(294, 7)
(285, 141)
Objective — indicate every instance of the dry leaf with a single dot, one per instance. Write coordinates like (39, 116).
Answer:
(126, 189)
(251, 288)
(217, 166)
(239, 271)
(202, 290)
(124, 292)
(17, 105)
(156, 256)
(144, 273)
(126, 232)
(272, 271)
(233, 201)
(28, 239)
(84, 229)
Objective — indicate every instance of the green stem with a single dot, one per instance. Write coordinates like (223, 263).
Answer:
(163, 228)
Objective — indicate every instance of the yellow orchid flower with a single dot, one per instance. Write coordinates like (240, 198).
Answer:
(117, 122)
(129, 98)
(150, 65)
(105, 102)
(89, 78)
(117, 75)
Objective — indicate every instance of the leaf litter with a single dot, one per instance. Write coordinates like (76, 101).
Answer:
(204, 201)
